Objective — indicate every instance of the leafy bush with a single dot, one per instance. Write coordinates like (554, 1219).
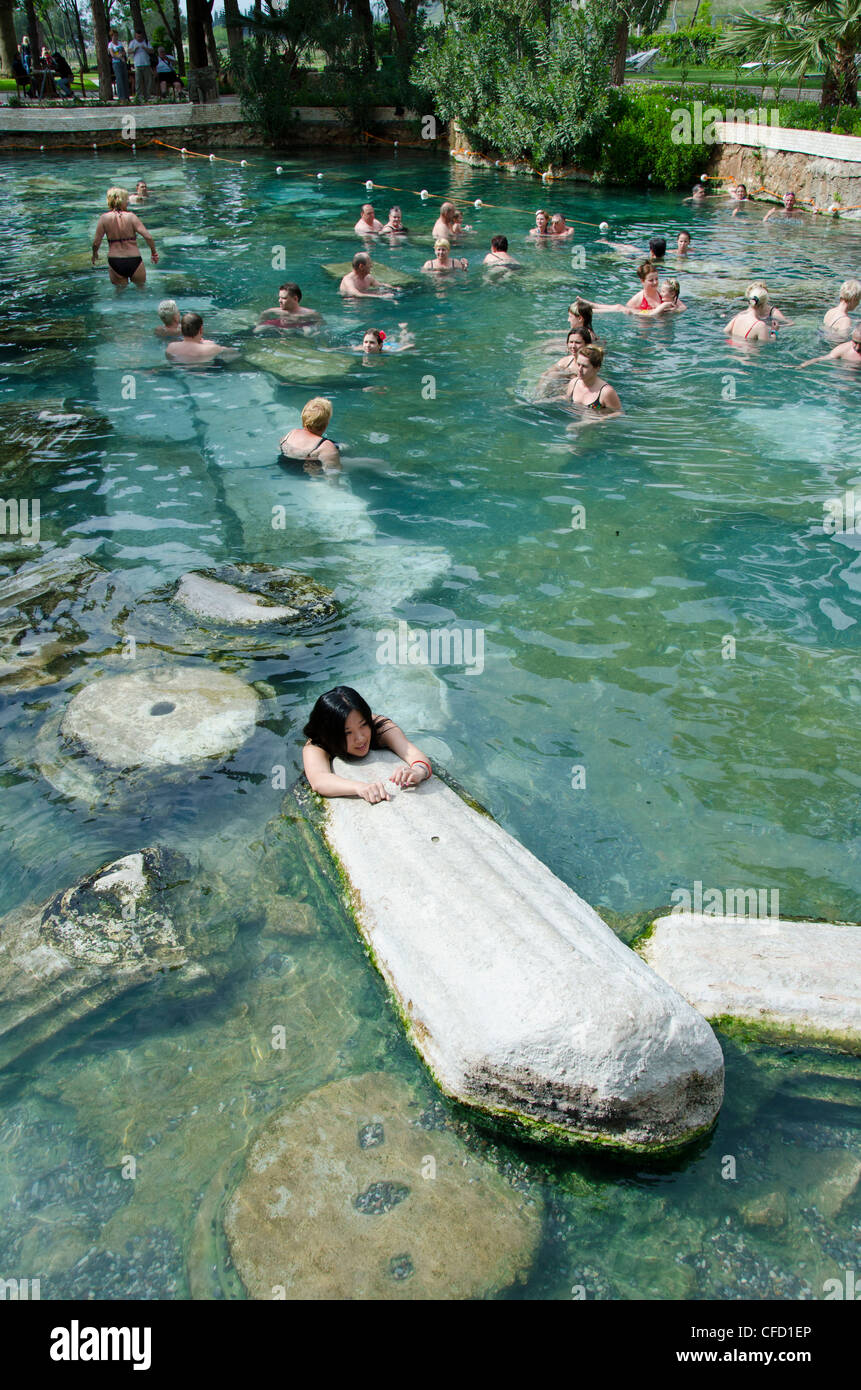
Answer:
(637, 147)
(684, 48)
(264, 82)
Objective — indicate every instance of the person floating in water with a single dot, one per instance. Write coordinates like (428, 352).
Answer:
(837, 320)
(288, 313)
(170, 326)
(498, 257)
(359, 282)
(368, 224)
(375, 338)
(309, 445)
(194, 349)
(848, 352)
(342, 726)
(122, 229)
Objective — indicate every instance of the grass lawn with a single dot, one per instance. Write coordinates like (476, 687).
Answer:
(91, 80)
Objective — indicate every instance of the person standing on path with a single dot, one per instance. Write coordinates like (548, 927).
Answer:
(142, 55)
(117, 52)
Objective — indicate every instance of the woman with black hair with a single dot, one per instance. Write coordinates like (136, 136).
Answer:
(342, 726)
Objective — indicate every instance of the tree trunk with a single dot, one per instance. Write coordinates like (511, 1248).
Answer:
(398, 17)
(846, 75)
(137, 17)
(620, 52)
(233, 20)
(194, 10)
(103, 60)
(32, 30)
(209, 33)
(174, 30)
(8, 41)
(362, 11)
(81, 41)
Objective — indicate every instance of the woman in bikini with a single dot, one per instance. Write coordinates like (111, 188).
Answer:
(309, 445)
(122, 228)
(443, 262)
(760, 321)
(648, 275)
(542, 225)
(342, 726)
(589, 390)
(554, 381)
(837, 320)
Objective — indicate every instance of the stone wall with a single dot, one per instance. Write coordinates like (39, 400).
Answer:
(827, 182)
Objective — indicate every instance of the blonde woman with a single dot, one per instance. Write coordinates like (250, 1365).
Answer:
(309, 445)
(170, 326)
(443, 262)
(837, 320)
(760, 321)
(122, 229)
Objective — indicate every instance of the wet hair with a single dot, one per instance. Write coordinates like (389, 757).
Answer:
(645, 268)
(141, 183)
(674, 287)
(191, 325)
(855, 335)
(850, 291)
(658, 247)
(594, 353)
(361, 258)
(375, 333)
(116, 198)
(585, 333)
(557, 217)
(583, 311)
(316, 414)
(367, 207)
(292, 289)
(326, 725)
(499, 243)
(168, 310)
(698, 188)
(757, 293)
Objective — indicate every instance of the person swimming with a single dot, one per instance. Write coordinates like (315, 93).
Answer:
(360, 283)
(170, 326)
(442, 262)
(788, 210)
(848, 352)
(375, 338)
(760, 321)
(395, 225)
(837, 320)
(498, 257)
(341, 725)
(588, 389)
(309, 445)
(542, 224)
(555, 380)
(194, 349)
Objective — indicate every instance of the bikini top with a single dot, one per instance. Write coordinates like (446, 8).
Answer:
(596, 403)
(314, 447)
(113, 239)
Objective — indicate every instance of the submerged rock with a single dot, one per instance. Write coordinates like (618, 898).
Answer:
(386, 274)
(36, 625)
(295, 361)
(345, 1196)
(798, 977)
(108, 933)
(31, 334)
(518, 997)
(254, 595)
(38, 437)
(165, 716)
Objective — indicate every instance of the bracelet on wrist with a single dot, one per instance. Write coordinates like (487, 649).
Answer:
(422, 762)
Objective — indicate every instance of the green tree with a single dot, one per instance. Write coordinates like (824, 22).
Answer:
(804, 34)
(649, 13)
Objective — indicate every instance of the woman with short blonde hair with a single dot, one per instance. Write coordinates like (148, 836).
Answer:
(122, 229)
(837, 320)
(308, 445)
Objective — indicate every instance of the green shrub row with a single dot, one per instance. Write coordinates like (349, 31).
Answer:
(684, 48)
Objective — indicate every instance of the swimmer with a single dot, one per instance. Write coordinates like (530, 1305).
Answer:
(457, 227)
(289, 312)
(559, 374)
(443, 263)
(698, 194)
(395, 225)
(542, 224)
(683, 243)
(375, 337)
(498, 257)
(848, 352)
(588, 390)
(309, 445)
(759, 322)
(447, 224)
(342, 726)
(368, 224)
(738, 195)
(360, 283)
(837, 320)
(647, 273)
(122, 228)
(579, 316)
(194, 348)
(670, 303)
(169, 327)
(657, 248)
(559, 228)
(788, 210)
(141, 193)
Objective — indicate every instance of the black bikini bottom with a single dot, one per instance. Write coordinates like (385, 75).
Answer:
(124, 265)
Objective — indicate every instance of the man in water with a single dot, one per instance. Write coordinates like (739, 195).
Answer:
(170, 326)
(848, 352)
(289, 312)
(368, 224)
(360, 282)
(788, 210)
(498, 255)
(141, 193)
(194, 348)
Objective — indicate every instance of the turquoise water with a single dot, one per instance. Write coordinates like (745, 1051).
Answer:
(604, 650)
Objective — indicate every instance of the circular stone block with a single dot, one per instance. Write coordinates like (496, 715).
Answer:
(165, 716)
(348, 1195)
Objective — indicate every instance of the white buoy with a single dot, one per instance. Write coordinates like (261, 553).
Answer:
(279, 170)
(424, 195)
(243, 163)
(396, 144)
(497, 164)
(184, 152)
(319, 176)
(604, 227)
(478, 203)
(41, 147)
(704, 178)
(211, 158)
(369, 183)
(95, 146)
